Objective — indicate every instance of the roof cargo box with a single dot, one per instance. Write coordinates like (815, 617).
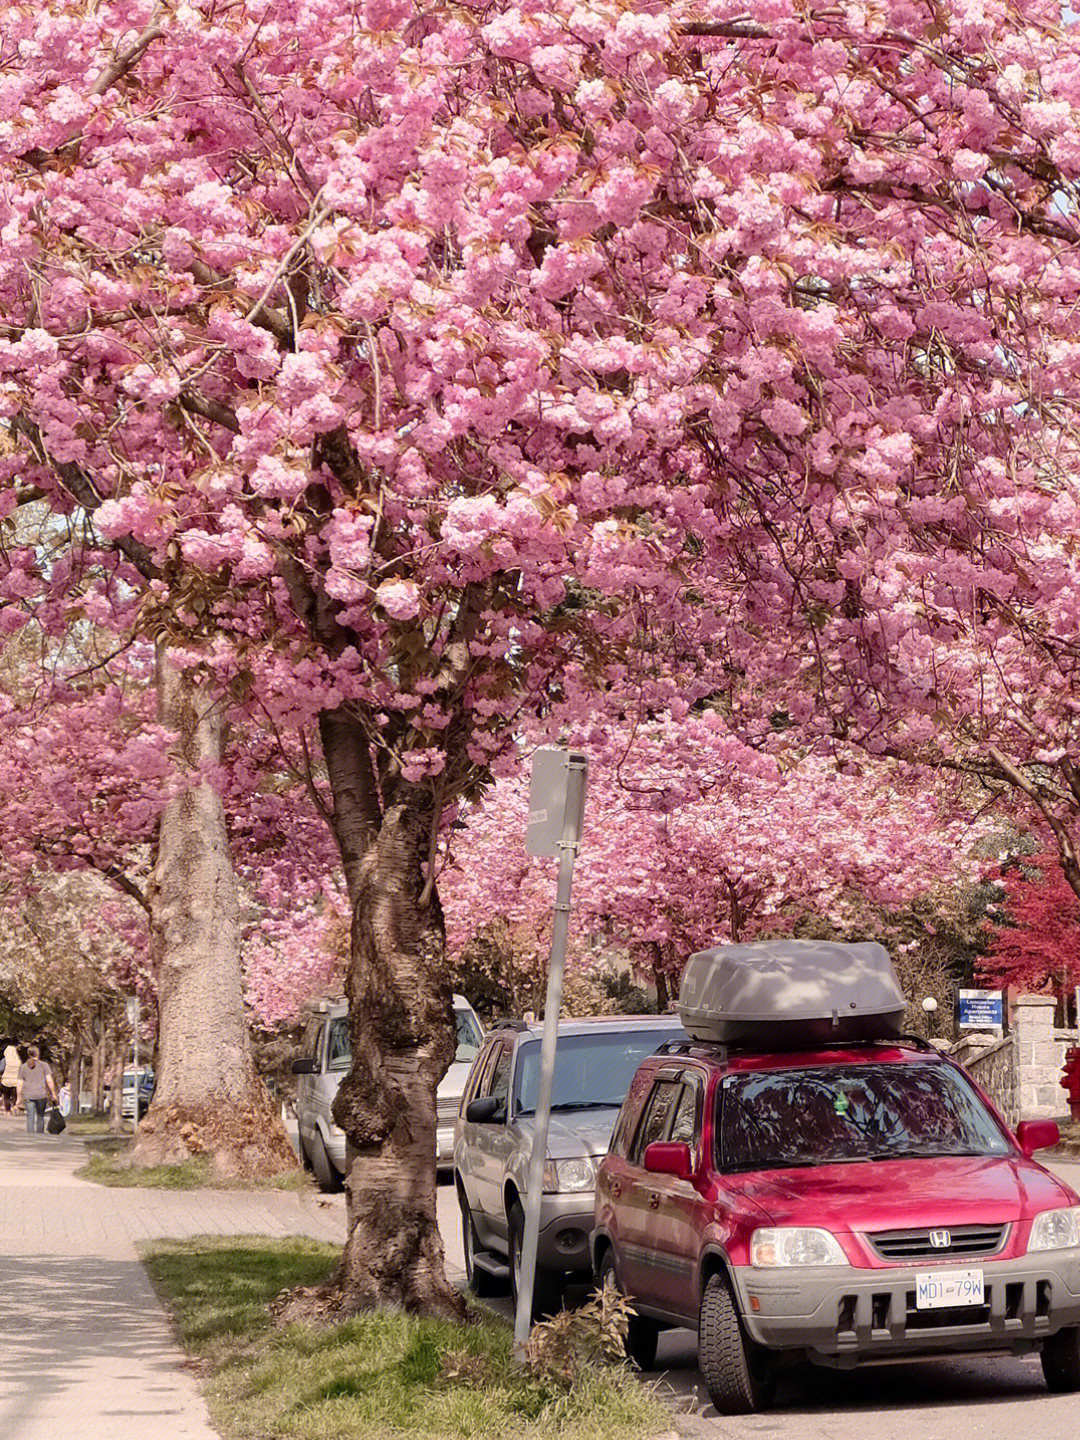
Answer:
(791, 994)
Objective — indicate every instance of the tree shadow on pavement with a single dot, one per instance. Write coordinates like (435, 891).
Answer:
(86, 1351)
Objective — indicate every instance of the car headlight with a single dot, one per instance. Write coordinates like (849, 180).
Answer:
(1056, 1230)
(794, 1246)
(568, 1175)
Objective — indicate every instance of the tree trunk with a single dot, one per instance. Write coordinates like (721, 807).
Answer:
(404, 1039)
(209, 1099)
(116, 1086)
(97, 1074)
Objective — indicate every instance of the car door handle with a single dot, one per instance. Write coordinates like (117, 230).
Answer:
(654, 1201)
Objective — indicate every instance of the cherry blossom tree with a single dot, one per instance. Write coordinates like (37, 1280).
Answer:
(692, 838)
(403, 373)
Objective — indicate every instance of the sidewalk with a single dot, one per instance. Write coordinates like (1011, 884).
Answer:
(86, 1349)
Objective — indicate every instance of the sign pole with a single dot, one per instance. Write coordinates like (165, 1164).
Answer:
(569, 798)
(135, 1034)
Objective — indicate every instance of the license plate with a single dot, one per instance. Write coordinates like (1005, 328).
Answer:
(948, 1289)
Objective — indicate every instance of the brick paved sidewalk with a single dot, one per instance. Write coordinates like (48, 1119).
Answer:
(86, 1350)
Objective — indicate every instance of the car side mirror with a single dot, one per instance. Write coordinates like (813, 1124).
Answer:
(1032, 1135)
(666, 1157)
(305, 1066)
(484, 1110)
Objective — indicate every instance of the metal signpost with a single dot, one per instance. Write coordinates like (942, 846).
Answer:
(556, 811)
(133, 1016)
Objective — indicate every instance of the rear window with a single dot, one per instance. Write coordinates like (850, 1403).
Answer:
(829, 1115)
(591, 1071)
(469, 1041)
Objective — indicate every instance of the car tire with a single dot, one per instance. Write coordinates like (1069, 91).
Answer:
(327, 1176)
(480, 1282)
(1061, 1361)
(547, 1285)
(644, 1333)
(726, 1355)
(305, 1158)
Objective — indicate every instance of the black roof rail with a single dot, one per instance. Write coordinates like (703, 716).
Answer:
(720, 1051)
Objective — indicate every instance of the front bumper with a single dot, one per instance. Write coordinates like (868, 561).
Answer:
(846, 1316)
(566, 1221)
(444, 1145)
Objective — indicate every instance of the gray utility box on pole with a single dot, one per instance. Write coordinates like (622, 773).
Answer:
(556, 812)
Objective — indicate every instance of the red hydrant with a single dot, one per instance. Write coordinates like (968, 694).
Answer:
(1071, 1082)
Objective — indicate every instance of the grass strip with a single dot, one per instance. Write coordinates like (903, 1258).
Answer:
(376, 1377)
(107, 1166)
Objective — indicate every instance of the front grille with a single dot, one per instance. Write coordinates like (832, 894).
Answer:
(900, 1246)
(447, 1110)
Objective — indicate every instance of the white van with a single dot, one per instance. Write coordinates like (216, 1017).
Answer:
(323, 1064)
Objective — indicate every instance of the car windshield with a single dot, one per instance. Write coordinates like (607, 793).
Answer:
(847, 1113)
(469, 1037)
(469, 1040)
(590, 1070)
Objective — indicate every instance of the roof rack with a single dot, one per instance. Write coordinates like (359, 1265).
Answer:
(508, 1024)
(720, 1051)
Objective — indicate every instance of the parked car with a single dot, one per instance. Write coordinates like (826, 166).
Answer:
(595, 1061)
(325, 1060)
(848, 1205)
(147, 1083)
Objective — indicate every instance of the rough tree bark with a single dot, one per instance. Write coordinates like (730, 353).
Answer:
(209, 1099)
(404, 1037)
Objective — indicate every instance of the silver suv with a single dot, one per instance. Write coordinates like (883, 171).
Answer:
(326, 1057)
(594, 1064)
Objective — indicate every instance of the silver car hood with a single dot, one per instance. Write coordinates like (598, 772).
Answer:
(452, 1085)
(573, 1133)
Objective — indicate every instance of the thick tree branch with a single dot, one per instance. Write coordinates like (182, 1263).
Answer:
(266, 317)
(81, 489)
(209, 409)
(126, 59)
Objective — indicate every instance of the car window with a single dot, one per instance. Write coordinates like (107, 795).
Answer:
(310, 1044)
(591, 1071)
(499, 1084)
(469, 1037)
(628, 1115)
(478, 1073)
(339, 1046)
(684, 1125)
(658, 1113)
(834, 1114)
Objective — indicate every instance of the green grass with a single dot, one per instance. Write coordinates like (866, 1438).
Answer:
(377, 1377)
(106, 1166)
(90, 1124)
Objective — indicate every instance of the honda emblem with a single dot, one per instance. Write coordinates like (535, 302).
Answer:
(940, 1239)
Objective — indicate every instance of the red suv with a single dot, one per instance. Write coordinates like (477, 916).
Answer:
(845, 1205)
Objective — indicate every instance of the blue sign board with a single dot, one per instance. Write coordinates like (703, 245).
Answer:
(980, 1010)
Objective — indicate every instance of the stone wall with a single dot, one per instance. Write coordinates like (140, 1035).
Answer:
(1040, 1056)
(993, 1064)
(1022, 1071)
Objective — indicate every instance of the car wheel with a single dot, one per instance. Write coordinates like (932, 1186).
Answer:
(327, 1176)
(547, 1286)
(726, 1356)
(1061, 1361)
(479, 1281)
(305, 1158)
(642, 1337)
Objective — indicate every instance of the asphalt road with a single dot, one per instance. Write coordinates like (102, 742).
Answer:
(1001, 1398)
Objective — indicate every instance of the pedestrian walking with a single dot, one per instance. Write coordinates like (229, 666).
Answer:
(36, 1085)
(9, 1075)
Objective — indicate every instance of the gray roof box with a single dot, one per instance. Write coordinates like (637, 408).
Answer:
(791, 994)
